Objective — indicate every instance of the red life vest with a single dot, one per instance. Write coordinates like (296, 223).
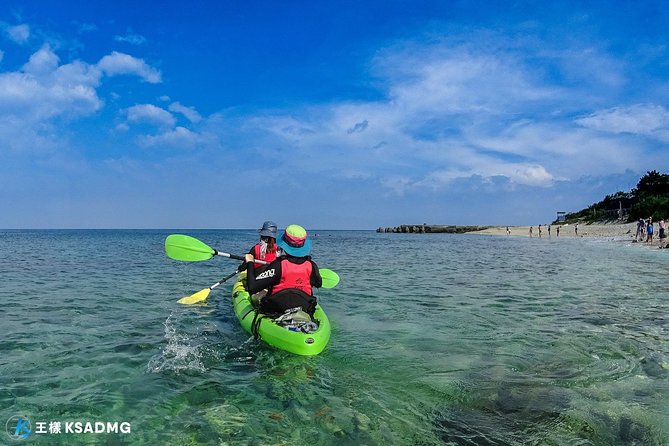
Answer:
(294, 275)
(268, 257)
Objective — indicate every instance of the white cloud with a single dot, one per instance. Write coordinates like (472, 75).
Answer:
(532, 175)
(85, 27)
(516, 173)
(454, 112)
(560, 149)
(585, 65)
(44, 61)
(131, 38)
(122, 127)
(397, 184)
(447, 78)
(189, 112)
(119, 63)
(445, 86)
(18, 33)
(18, 137)
(180, 138)
(643, 119)
(43, 89)
(150, 114)
(168, 136)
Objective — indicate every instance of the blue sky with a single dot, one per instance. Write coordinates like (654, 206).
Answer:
(333, 115)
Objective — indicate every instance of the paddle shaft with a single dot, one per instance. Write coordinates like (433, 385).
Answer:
(220, 282)
(330, 278)
(232, 256)
(189, 249)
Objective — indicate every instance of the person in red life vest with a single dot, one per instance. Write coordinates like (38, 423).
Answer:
(265, 249)
(291, 278)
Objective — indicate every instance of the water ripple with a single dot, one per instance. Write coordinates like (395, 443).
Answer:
(437, 339)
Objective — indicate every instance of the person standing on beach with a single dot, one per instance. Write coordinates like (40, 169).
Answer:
(639, 230)
(558, 231)
(576, 229)
(530, 231)
(549, 230)
(649, 230)
(539, 230)
(663, 234)
(507, 231)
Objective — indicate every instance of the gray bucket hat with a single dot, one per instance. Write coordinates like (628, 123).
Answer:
(268, 229)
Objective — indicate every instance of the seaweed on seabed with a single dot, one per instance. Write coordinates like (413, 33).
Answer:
(470, 427)
(652, 367)
(509, 418)
(506, 416)
(632, 432)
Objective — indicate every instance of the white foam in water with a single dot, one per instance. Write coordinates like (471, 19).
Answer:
(178, 355)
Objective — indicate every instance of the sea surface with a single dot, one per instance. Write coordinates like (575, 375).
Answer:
(438, 339)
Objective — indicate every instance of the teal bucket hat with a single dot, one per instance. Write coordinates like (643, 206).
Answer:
(294, 241)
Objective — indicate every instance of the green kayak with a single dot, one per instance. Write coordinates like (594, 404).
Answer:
(285, 338)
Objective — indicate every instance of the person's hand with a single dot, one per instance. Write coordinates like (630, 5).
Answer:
(248, 257)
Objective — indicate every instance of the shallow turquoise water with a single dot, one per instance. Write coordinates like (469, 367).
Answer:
(437, 340)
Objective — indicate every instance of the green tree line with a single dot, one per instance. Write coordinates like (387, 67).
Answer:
(650, 198)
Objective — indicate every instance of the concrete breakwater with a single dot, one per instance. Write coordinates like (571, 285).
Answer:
(423, 229)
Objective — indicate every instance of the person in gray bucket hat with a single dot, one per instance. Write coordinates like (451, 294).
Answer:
(266, 248)
(268, 229)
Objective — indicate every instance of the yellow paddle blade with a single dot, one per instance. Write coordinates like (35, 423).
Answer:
(195, 298)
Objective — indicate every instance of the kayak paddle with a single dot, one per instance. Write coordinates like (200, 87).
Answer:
(330, 278)
(189, 249)
(203, 294)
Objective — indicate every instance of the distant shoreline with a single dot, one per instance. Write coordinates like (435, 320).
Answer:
(616, 230)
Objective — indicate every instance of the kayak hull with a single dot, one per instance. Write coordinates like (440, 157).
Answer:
(296, 342)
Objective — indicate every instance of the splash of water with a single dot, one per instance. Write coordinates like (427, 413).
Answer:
(179, 355)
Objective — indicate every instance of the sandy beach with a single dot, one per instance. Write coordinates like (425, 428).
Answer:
(622, 231)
